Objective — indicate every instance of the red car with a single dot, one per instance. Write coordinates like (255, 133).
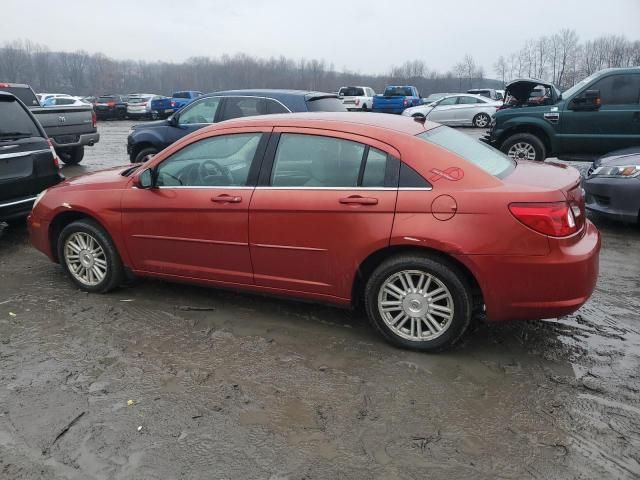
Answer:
(418, 222)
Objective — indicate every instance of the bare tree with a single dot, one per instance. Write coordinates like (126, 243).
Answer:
(500, 68)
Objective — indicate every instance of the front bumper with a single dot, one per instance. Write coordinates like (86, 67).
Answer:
(617, 198)
(88, 139)
(537, 287)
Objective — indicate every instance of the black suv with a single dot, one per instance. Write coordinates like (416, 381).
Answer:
(111, 106)
(28, 163)
(147, 139)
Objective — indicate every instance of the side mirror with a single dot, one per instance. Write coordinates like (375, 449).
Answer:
(144, 179)
(589, 100)
(173, 120)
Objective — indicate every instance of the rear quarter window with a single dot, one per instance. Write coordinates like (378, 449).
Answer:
(14, 120)
(330, 104)
(474, 151)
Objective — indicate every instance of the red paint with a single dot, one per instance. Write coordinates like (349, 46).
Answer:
(310, 243)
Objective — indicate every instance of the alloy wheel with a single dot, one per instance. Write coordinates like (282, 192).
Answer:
(85, 258)
(416, 305)
(482, 121)
(522, 151)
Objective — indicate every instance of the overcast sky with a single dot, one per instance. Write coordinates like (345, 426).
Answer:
(365, 36)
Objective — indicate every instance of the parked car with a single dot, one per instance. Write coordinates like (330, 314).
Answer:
(111, 106)
(180, 99)
(143, 106)
(71, 128)
(458, 110)
(339, 208)
(62, 100)
(357, 98)
(28, 162)
(600, 114)
(396, 98)
(147, 139)
(487, 92)
(43, 97)
(613, 185)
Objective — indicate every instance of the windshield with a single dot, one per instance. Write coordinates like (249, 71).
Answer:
(397, 92)
(571, 91)
(14, 121)
(480, 154)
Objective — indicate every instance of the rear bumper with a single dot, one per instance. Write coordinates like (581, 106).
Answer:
(617, 198)
(537, 287)
(16, 207)
(397, 111)
(89, 139)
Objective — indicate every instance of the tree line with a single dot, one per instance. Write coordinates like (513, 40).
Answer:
(560, 58)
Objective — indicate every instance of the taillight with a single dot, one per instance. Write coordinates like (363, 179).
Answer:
(4, 85)
(405, 102)
(173, 104)
(94, 119)
(111, 104)
(56, 160)
(555, 219)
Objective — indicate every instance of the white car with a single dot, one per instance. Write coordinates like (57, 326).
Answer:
(356, 98)
(458, 110)
(59, 99)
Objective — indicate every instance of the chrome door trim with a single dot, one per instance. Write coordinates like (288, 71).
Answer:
(22, 154)
(18, 202)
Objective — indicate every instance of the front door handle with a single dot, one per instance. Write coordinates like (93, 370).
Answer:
(358, 200)
(224, 198)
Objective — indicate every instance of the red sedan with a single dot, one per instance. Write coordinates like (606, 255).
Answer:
(419, 223)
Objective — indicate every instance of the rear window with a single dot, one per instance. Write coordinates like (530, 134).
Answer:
(181, 95)
(105, 99)
(325, 104)
(15, 122)
(352, 92)
(397, 92)
(25, 95)
(487, 158)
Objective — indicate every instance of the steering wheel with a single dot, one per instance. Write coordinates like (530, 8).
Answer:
(210, 168)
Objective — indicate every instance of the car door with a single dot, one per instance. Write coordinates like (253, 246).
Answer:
(466, 109)
(193, 224)
(198, 114)
(444, 111)
(614, 125)
(325, 200)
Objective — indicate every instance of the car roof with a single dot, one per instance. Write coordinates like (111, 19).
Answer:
(275, 93)
(7, 94)
(349, 122)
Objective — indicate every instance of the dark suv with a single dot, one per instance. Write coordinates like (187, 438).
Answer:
(147, 139)
(597, 115)
(111, 106)
(28, 163)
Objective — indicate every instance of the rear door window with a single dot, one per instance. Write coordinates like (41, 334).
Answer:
(15, 122)
(468, 100)
(276, 107)
(448, 101)
(474, 151)
(236, 107)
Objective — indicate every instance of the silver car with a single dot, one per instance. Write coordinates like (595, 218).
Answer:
(458, 110)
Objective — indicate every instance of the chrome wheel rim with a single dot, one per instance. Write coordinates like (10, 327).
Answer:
(522, 151)
(416, 305)
(482, 121)
(85, 258)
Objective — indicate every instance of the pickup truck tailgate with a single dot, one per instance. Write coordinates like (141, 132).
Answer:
(66, 124)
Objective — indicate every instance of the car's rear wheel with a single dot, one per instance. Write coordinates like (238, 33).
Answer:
(418, 302)
(481, 120)
(89, 257)
(145, 155)
(72, 155)
(524, 146)
(365, 107)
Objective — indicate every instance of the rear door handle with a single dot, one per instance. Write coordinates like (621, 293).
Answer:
(358, 200)
(224, 198)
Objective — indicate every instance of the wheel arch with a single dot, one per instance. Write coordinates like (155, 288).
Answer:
(532, 129)
(370, 263)
(61, 220)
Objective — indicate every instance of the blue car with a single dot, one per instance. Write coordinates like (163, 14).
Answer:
(147, 139)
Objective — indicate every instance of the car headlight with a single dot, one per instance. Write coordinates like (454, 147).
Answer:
(621, 171)
(38, 198)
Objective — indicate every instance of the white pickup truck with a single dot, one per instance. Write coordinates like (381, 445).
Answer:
(356, 98)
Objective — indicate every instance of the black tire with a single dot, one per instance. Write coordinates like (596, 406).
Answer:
(154, 115)
(121, 114)
(525, 139)
(145, 152)
(114, 269)
(481, 118)
(365, 108)
(447, 273)
(71, 156)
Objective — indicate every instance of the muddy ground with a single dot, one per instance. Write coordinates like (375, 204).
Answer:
(237, 386)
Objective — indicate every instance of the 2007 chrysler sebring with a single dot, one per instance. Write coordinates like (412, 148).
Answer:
(420, 223)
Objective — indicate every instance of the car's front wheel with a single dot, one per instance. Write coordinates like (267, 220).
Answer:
(145, 155)
(89, 257)
(524, 146)
(418, 302)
